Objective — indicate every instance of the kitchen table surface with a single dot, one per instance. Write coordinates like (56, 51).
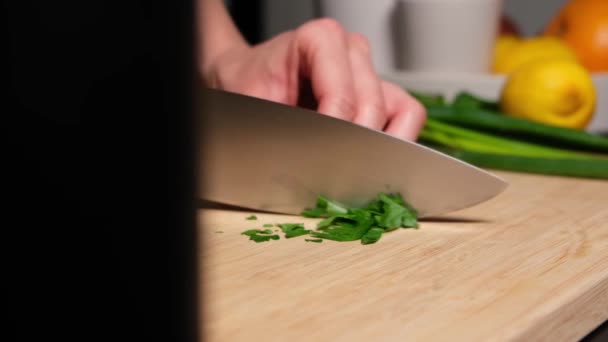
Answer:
(528, 265)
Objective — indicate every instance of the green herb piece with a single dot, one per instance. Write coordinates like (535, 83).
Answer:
(334, 208)
(387, 212)
(268, 225)
(293, 229)
(372, 236)
(263, 238)
(396, 213)
(325, 208)
(259, 235)
(314, 240)
(349, 227)
(252, 217)
(218, 232)
(313, 212)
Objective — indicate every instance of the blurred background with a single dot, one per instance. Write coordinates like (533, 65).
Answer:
(262, 19)
(447, 47)
(489, 72)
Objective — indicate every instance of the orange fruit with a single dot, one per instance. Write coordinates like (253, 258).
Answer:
(583, 25)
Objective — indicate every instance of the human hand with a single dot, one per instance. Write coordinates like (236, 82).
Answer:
(335, 64)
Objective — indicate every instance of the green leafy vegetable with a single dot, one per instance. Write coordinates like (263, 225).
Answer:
(252, 217)
(314, 212)
(492, 151)
(428, 99)
(597, 168)
(466, 100)
(396, 214)
(349, 227)
(385, 213)
(475, 130)
(325, 208)
(520, 129)
(268, 225)
(259, 235)
(372, 236)
(293, 229)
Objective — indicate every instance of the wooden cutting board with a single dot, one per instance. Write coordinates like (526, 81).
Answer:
(529, 265)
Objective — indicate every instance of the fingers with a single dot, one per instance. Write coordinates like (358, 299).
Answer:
(322, 49)
(370, 111)
(406, 114)
(345, 84)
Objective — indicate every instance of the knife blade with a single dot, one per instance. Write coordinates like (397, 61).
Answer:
(267, 156)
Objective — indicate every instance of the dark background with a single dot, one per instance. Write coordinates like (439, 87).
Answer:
(247, 15)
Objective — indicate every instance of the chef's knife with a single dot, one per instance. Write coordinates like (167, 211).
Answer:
(263, 155)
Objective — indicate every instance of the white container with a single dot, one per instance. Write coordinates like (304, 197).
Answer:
(375, 19)
(447, 35)
(599, 123)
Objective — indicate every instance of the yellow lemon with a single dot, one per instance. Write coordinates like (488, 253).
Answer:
(510, 52)
(556, 92)
(503, 44)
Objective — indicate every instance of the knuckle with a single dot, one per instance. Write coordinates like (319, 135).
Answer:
(418, 109)
(371, 102)
(221, 76)
(322, 26)
(329, 25)
(345, 108)
(377, 107)
(359, 42)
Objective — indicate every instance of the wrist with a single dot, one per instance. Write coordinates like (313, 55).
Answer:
(210, 68)
(209, 59)
(217, 34)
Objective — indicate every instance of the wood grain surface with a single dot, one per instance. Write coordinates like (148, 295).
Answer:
(529, 265)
